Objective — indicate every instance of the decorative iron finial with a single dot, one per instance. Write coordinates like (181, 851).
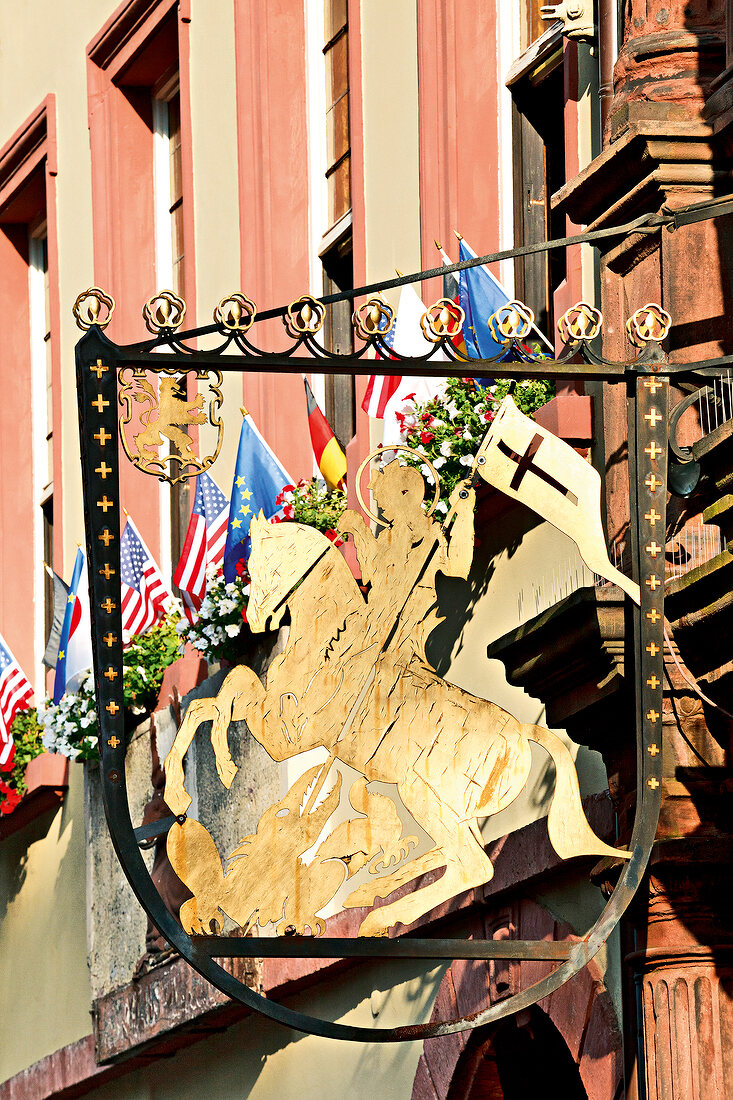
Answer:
(236, 313)
(305, 316)
(374, 317)
(513, 321)
(443, 319)
(649, 324)
(88, 307)
(165, 310)
(582, 322)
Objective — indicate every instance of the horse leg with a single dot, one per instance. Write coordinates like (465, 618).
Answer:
(176, 795)
(238, 692)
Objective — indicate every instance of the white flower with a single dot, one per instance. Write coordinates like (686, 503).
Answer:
(232, 629)
(438, 462)
(467, 435)
(441, 506)
(446, 448)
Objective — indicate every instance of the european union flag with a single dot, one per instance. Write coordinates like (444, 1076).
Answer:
(480, 295)
(258, 480)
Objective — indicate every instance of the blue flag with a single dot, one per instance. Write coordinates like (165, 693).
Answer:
(258, 480)
(480, 295)
(75, 644)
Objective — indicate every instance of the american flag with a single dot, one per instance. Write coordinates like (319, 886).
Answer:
(15, 692)
(144, 593)
(204, 543)
(381, 387)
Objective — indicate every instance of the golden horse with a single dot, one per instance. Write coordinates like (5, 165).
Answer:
(371, 698)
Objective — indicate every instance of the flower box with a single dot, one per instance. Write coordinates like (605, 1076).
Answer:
(47, 777)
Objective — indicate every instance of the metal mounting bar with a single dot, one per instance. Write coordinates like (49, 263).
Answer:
(366, 947)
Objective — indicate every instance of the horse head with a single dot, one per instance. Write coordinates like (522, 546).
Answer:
(282, 555)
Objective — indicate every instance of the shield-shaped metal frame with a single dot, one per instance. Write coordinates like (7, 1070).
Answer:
(98, 363)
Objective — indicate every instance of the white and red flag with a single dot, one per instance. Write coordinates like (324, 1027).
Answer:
(144, 593)
(15, 694)
(203, 547)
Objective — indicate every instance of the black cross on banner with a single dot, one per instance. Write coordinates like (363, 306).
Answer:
(526, 465)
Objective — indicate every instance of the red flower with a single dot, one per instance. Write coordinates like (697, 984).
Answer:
(8, 765)
(244, 613)
(289, 511)
(400, 418)
(241, 567)
(489, 416)
(409, 397)
(11, 799)
(427, 418)
(289, 488)
(334, 537)
(425, 438)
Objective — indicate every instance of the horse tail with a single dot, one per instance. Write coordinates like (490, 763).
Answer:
(567, 825)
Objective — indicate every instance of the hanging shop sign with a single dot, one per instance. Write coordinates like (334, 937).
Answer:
(354, 678)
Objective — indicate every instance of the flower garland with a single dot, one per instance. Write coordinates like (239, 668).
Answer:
(70, 726)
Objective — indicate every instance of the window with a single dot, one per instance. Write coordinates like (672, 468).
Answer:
(336, 253)
(170, 257)
(30, 365)
(141, 157)
(539, 171)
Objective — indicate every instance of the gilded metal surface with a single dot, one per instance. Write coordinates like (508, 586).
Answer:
(355, 679)
(579, 323)
(93, 307)
(442, 320)
(649, 324)
(305, 316)
(512, 322)
(236, 313)
(164, 311)
(380, 452)
(373, 318)
(162, 418)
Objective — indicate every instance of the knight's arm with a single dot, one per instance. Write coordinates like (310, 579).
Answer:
(459, 554)
(352, 523)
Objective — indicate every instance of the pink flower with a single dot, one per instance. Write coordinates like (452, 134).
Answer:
(425, 438)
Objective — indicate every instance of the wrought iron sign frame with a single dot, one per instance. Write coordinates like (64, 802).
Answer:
(99, 364)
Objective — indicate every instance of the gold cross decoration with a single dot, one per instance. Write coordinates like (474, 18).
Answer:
(108, 606)
(114, 742)
(102, 436)
(103, 470)
(653, 682)
(652, 715)
(653, 750)
(104, 504)
(110, 673)
(112, 708)
(106, 537)
(107, 572)
(653, 417)
(100, 404)
(652, 384)
(98, 368)
(653, 549)
(110, 639)
(653, 450)
(653, 515)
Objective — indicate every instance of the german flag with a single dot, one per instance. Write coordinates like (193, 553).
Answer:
(329, 456)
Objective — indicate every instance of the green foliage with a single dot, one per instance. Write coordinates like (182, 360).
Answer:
(145, 661)
(449, 429)
(27, 733)
(313, 503)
